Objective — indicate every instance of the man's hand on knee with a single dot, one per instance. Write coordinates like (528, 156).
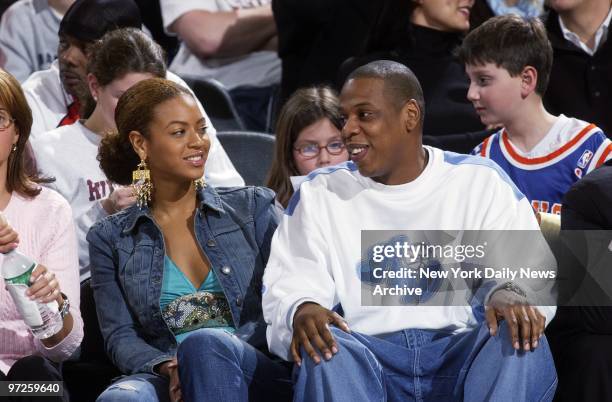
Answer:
(525, 322)
(311, 331)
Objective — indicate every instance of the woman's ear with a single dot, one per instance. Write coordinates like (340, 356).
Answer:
(94, 86)
(16, 136)
(139, 143)
(529, 81)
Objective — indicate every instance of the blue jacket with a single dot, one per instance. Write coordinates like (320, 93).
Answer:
(234, 228)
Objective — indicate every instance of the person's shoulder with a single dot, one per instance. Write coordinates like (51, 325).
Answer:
(49, 204)
(475, 168)
(43, 81)
(112, 226)
(48, 145)
(19, 10)
(483, 149)
(57, 135)
(575, 132)
(244, 197)
(470, 162)
(341, 178)
(330, 178)
(322, 176)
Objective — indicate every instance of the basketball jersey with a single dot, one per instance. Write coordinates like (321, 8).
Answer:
(571, 149)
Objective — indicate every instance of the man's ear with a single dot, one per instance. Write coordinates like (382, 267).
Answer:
(529, 81)
(139, 143)
(411, 113)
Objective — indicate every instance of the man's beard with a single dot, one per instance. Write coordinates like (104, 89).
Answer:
(82, 94)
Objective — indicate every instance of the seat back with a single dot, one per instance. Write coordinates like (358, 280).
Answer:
(217, 103)
(250, 152)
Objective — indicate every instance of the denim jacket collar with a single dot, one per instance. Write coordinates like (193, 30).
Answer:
(207, 196)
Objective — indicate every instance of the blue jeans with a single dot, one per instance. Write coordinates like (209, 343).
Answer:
(141, 387)
(217, 366)
(419, 365)
(213, 366)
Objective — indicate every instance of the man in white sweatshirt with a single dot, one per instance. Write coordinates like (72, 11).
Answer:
(393, 182)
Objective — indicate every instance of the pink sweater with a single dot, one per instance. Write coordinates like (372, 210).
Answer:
(46, 234)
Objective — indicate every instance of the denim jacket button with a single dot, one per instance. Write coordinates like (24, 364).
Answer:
(226, 270)
(239, 301)
(211, 243)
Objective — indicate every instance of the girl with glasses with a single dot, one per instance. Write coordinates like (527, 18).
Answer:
(307, 138)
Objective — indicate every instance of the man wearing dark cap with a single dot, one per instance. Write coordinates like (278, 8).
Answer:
(56, 95)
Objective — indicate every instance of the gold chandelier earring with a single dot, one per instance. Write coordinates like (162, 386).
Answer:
(141, 181)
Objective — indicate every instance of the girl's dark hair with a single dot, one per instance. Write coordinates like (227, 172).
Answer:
(305, 107)
(19, 177)
(135, 112)
(120, 52)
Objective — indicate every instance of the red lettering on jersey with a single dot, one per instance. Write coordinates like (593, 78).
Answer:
(94, 190)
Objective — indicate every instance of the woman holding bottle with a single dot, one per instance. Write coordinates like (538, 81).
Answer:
(36, 223)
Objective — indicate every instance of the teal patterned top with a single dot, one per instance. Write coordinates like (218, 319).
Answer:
(185, 308)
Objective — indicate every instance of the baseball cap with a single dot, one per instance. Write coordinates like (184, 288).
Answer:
(89, 20)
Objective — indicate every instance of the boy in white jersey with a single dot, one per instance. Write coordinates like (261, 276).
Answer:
(397, 353)
(508, 60)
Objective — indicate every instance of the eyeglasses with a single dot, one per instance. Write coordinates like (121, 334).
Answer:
(311, 150)
(5, 120)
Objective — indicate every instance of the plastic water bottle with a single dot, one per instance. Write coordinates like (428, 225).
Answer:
(43, 319)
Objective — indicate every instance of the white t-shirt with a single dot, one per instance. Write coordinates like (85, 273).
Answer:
(316, 249)
(49, 103)
(28, 37)
(68, 154)
(258, 69)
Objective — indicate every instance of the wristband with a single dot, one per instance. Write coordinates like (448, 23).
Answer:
(514, 288)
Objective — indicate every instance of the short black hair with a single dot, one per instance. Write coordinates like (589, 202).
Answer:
(399, 82)
(512, 43)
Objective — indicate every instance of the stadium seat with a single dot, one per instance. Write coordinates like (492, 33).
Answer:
(250, 152)
(217, 102)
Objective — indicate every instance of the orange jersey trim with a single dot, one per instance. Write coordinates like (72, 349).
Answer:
(550, 156)
(604, 155)
(483, 150)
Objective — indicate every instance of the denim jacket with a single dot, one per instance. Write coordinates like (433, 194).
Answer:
(234, 228)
